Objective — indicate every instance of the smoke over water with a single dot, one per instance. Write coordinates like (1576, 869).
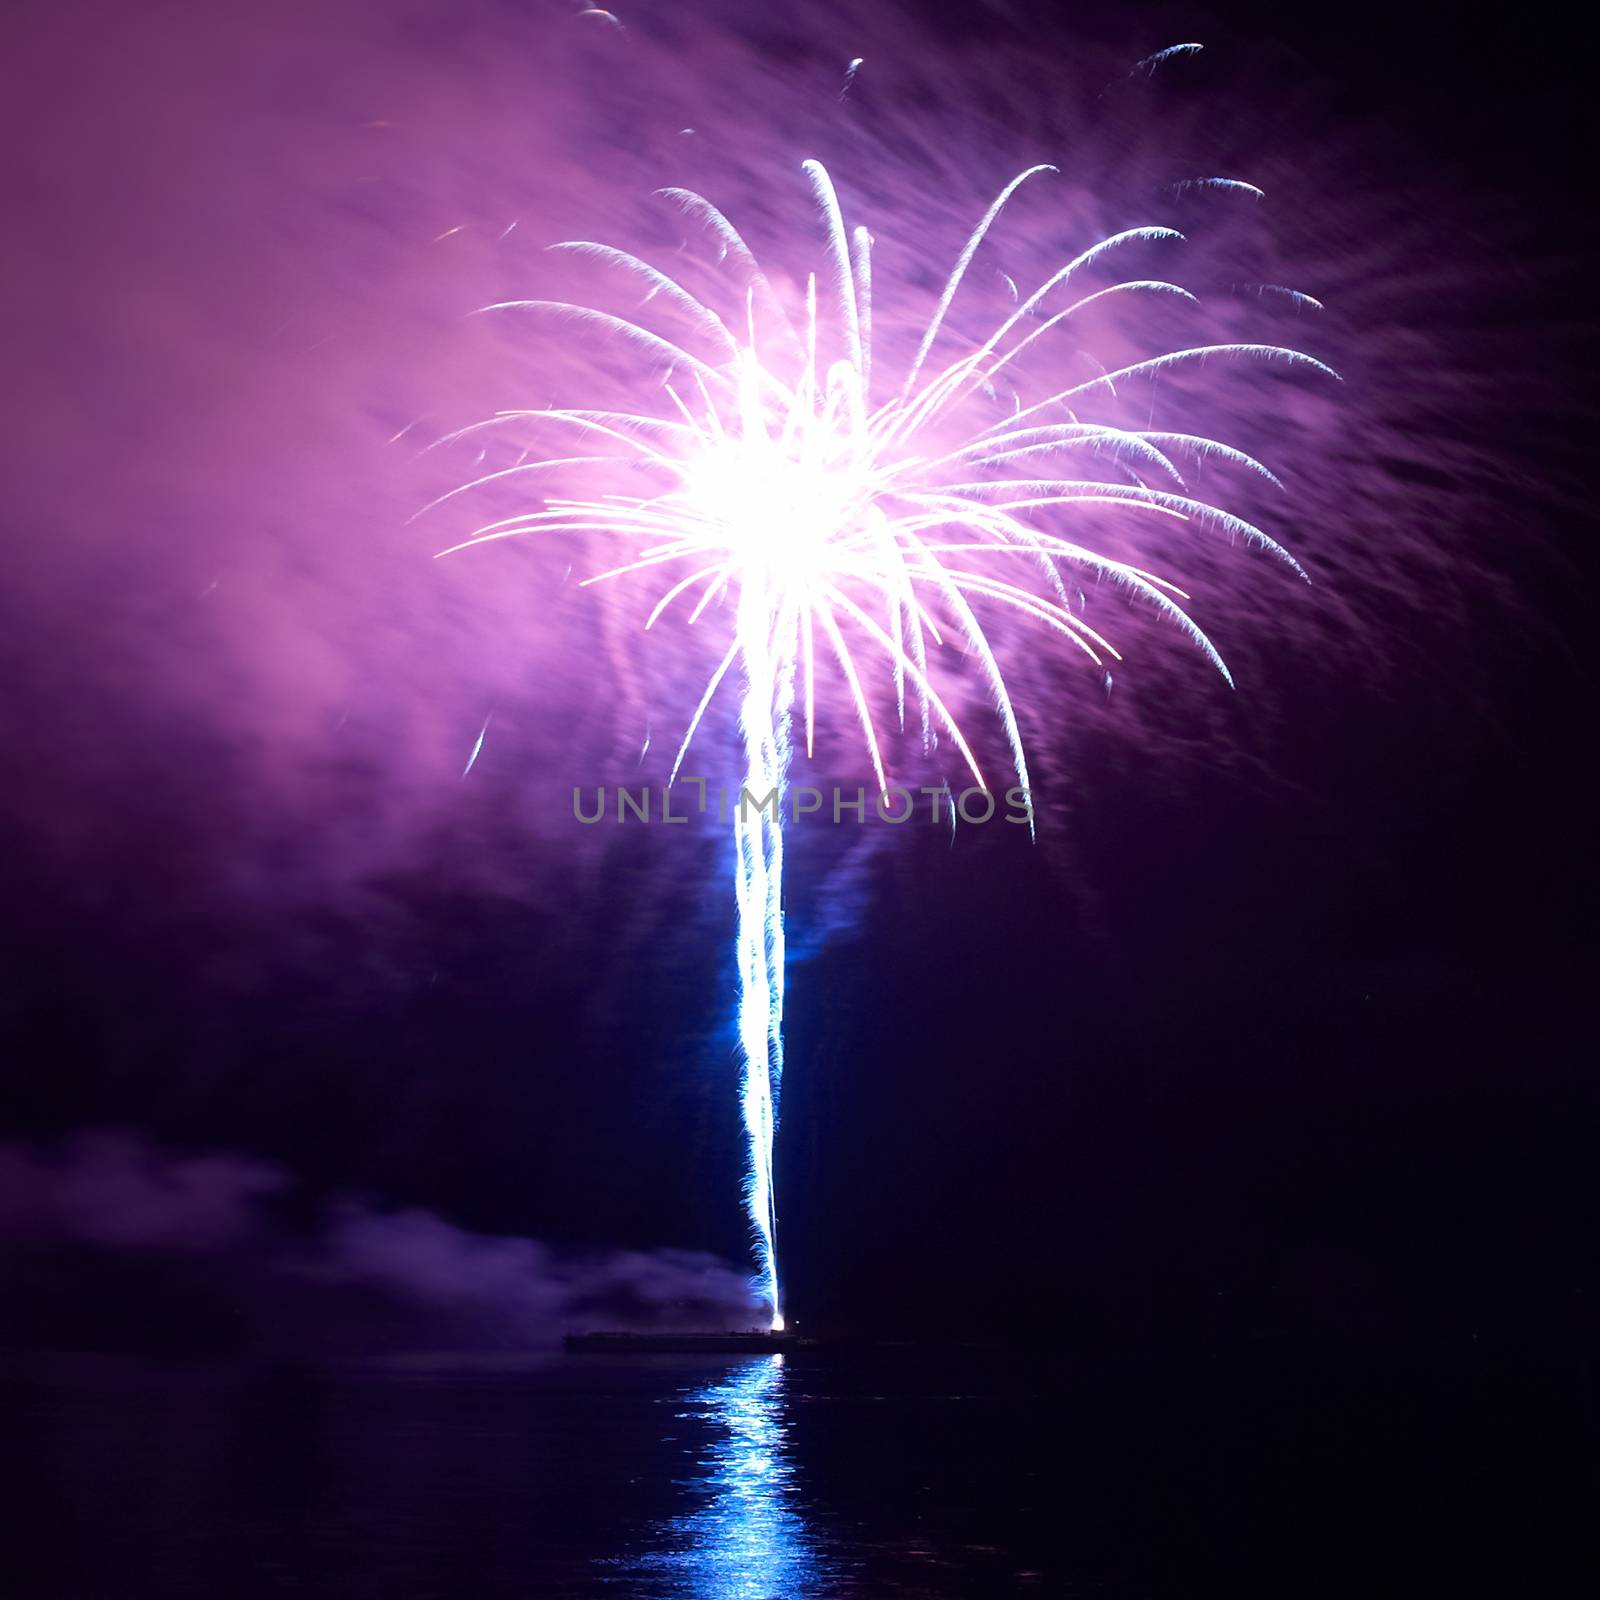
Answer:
(109, 1243)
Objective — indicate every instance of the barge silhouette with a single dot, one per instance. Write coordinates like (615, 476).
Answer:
(647, 1344)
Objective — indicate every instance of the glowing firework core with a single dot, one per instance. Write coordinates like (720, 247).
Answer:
(780, 514)
(825, 523)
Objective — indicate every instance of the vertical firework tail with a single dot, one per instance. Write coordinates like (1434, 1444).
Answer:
(758, 887)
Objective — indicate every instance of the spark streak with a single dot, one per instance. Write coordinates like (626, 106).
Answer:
(477, 747)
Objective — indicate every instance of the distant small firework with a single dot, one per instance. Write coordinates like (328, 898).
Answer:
(832, 518)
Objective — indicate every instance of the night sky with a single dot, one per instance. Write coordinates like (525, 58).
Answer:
(1283, 1026)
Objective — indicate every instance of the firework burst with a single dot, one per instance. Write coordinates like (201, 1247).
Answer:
(838, 524)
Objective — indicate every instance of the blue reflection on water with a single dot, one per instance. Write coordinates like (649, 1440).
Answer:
(747, 1539)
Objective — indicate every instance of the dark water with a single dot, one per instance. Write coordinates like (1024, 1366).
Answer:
(890, 1473)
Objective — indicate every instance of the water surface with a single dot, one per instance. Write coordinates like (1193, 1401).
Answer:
(889, 1473)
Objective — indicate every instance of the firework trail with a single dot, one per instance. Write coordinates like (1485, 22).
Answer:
(847, 524)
